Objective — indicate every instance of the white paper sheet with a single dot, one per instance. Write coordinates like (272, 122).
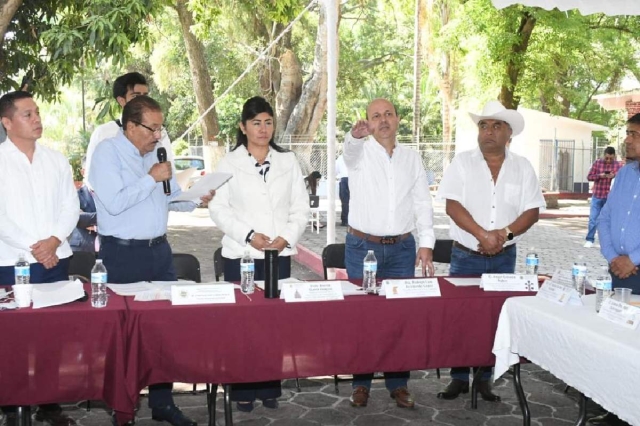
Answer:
(350, 289)
(8, 306)
(183, 177)
(54, 294)
(260, 284)
(145, 289)
(202, 186)
(464, 282)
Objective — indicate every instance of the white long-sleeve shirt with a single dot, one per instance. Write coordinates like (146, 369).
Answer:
(389, 195)
(110, 130)
(38, 200)
(468, 181)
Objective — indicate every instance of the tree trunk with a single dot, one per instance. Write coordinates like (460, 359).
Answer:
(200, 77)
(417, 66)
(290, 89)
(308, 112)
(437, 16)
(515, 64)
(8, 9)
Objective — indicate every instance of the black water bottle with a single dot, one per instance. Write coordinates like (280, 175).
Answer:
(271, 274)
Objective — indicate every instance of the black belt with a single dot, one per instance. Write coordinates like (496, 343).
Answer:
(477, 253)
(134, 243)
(386, 240)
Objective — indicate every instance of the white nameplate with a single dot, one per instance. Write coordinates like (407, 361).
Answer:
(620, 313)
(199, 294)
(563, 277)
(311, 291)
(404, 289)
(559, 294)
(509, 282)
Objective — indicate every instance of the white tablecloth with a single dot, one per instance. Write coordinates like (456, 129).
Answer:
(592, 355)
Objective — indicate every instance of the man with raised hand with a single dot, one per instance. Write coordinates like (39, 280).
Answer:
(389, 200)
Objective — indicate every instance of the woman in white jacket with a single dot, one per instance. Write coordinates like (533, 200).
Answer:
(264, 205)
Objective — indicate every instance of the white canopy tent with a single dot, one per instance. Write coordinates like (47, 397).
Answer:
(586, 7)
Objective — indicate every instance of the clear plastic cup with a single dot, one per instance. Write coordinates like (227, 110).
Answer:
(622, 295)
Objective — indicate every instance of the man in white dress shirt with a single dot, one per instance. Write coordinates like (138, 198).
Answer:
(126, 87)
(38, 211)
(389, 200)
(492, 197)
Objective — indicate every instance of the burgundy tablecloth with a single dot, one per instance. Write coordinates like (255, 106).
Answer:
(64, 353)
(269, 339)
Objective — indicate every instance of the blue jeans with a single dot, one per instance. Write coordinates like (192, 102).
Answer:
(463, 263)
(596, 205)
(394, 261)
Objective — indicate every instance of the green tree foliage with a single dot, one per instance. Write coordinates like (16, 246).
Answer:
(51, 41)
(568, 58)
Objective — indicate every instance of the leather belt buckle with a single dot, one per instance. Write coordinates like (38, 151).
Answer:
(157, 240)
(388, 240)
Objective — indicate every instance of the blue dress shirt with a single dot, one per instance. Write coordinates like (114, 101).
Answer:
(130, 204)
(619, 221)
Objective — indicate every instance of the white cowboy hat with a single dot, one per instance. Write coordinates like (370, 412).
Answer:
(494, 110)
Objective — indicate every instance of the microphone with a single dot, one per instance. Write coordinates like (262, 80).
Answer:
(162, 157)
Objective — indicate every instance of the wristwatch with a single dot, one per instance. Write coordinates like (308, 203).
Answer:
(509, 233)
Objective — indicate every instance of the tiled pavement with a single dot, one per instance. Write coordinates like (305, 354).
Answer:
(557, 241)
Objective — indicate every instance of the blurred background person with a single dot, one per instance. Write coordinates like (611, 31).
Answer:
(265, 205)
(342, 174)
(601, 174)
(83, 237)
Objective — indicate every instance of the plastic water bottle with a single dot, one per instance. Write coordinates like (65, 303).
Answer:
(531, 262)
(99, 285)
(247, 267)
(604, 288)
(579, 275)
(369, 269)
(22, 270)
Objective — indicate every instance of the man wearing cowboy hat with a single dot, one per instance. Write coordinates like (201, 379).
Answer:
(492, 197)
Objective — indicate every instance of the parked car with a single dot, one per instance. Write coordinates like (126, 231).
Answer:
(187, 161)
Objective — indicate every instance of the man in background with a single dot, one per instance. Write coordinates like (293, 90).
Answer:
(125, 88)
(342, 173)
(83, 237)
(601, 174)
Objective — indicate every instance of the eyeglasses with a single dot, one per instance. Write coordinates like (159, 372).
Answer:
(159, 131)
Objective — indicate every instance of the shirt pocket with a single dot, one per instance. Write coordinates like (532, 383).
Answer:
(512, 194)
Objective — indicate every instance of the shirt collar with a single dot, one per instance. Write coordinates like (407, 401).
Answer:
(124, 141)
(12, 148)
(381, 147)
(478, 153)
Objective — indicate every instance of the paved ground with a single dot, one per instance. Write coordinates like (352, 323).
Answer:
(557, 241)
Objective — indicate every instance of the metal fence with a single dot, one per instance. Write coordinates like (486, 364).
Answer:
(312, 154)
(562, 165)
